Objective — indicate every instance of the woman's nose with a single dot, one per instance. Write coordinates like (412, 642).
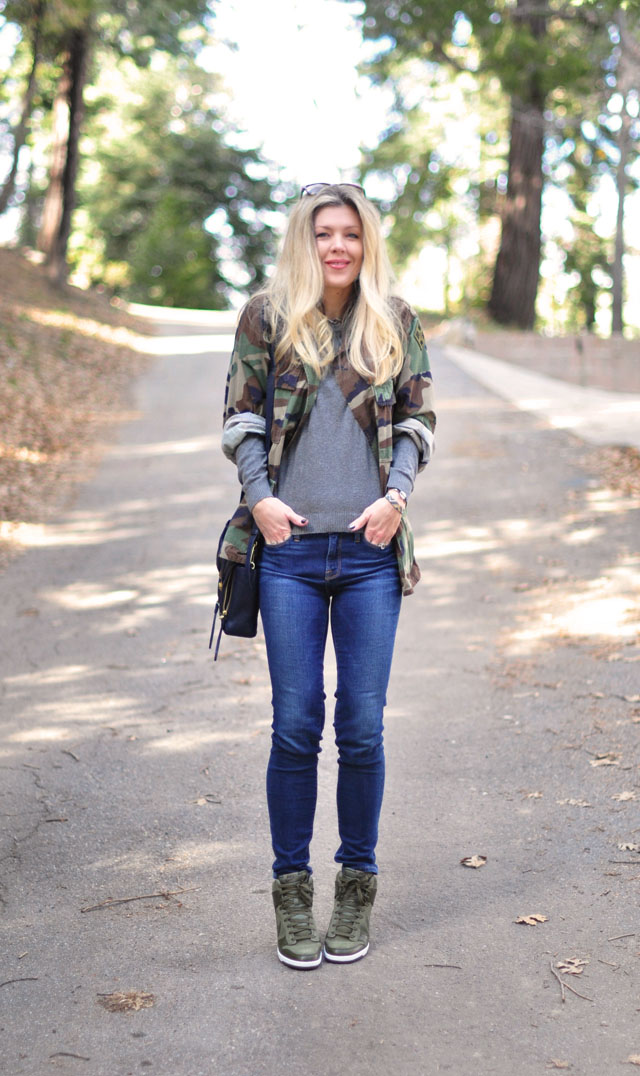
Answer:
(337, 242)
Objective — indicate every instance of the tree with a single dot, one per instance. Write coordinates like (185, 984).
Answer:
(605, 139)
(533, 48)
(33, 19)
(627, 83)
(128, 27)
(437, 168)
(169, 210)
(68, 116)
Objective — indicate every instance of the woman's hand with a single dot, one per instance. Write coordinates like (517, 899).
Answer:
(380, 521)
(274, 518)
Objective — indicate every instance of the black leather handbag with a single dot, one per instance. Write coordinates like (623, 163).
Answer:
(238, 599)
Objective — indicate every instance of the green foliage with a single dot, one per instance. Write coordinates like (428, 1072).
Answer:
(554, 53)
(440, 163)
(165, 195)
(496, 38)
(168, 208)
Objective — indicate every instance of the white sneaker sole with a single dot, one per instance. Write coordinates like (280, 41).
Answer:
(346, 959)
(302, 964)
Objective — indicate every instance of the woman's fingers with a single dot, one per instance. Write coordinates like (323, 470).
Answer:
(380, 521)
(293, 517)
(274, 518)
(360, 521)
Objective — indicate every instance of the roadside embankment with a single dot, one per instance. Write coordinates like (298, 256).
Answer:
(66, 361)
(581, 359)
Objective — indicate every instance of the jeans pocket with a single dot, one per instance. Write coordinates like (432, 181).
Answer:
(372, 545)
(278, 545)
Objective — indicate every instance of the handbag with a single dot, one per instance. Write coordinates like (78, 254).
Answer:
(238, 597)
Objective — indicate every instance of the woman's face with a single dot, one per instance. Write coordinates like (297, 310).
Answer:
(338, 232)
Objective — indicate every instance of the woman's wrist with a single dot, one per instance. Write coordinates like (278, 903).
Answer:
(397, 498)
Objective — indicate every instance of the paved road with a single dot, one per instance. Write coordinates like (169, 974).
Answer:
(132, 765)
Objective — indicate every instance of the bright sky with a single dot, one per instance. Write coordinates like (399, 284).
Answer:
(294, 83)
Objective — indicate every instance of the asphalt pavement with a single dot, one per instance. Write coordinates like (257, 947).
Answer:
(138, 932)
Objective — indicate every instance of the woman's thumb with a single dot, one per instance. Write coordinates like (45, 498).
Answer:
(293, 517)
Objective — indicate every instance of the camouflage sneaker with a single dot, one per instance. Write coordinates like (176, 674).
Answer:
(348, 934)
(299, 943)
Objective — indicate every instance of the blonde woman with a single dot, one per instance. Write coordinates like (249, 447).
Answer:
(352, 425)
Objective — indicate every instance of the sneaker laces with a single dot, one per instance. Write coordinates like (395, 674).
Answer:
(297, 898)
(349, 907)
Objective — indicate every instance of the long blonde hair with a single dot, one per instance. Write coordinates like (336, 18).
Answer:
(373, 334)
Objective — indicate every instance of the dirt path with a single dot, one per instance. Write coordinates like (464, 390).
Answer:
(133, 765)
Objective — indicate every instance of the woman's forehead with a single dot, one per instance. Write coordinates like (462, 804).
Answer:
(337, 216)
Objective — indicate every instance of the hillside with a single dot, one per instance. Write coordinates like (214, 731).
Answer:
(66, 363)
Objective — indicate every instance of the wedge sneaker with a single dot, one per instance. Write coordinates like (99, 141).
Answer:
(299, 943)
(348, 934)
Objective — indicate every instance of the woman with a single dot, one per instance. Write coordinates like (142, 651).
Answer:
(352, 425)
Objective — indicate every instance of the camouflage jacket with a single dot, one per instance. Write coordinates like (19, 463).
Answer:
(403, 405)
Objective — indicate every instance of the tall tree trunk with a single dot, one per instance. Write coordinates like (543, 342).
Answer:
(617, 268)
(57, 226)
(52, 209)
(624, 82)
(517, 268)
(20, 133)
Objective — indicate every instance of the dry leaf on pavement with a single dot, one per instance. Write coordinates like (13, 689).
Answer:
(573, 803)
(634, 1059)
(626, 846)
(608, 759)
(129, 1001)
(531, 920)
(572, 966)
(474, 861)
(622, 797)
(555, 1064)
(531, 795)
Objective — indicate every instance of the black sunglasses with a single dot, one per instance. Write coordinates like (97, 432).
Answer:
(316, 188)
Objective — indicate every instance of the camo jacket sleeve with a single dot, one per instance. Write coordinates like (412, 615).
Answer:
(413, 410)
(247, 376)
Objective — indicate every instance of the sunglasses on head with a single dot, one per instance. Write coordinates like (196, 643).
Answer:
(312, 189)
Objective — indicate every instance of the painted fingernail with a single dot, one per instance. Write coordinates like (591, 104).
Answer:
(303, 519)
(351, 526)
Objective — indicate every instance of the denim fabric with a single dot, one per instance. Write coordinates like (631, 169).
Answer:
(306, 583)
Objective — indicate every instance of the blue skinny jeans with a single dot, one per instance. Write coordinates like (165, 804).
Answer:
(307, 582)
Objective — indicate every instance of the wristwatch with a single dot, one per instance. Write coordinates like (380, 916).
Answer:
(397, 498)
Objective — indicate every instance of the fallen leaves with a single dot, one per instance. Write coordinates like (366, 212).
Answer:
(564, 986)
(555, 1064)
(532, 920)
(573, 803)
(63, 372)
(609, 758)
(474, 861)
(620, 466)
(572, 966)
(633, 1059)
(624, 797)
(127, 1001)
(627, 846)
